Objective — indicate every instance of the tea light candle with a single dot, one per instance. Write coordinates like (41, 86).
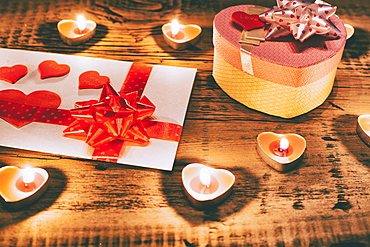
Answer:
(363, 128)
(205, 186)
(74, 32)
(21, 187)
(281, 152)
(350, 30)
(179, 36)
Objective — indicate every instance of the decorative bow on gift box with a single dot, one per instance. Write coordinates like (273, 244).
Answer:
(300, 18)
(108, 123)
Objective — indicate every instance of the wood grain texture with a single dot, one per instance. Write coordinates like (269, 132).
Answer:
(325, 202)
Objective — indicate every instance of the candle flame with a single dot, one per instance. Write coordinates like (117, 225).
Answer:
(28, 175)
(81, 22)
(175, 27)
(205, 177)
(284, 144)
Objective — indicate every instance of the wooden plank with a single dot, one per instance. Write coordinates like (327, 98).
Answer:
(323, 203)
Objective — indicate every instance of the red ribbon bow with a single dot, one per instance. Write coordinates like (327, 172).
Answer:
(300, 18)
(108, 123)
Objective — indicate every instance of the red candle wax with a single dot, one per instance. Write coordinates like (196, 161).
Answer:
(29, 186)
(276, 149)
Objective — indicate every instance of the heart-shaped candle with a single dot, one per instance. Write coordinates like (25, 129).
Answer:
(363, 128)
(206, 186)
(179, 36)
(350, 30)
(74, 32)
(281, 151)
(21, 187)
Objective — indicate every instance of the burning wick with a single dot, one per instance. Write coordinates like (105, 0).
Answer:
(281, 149)
(175, 27)
(81, 23)
(28, 176)
(205, 179)
(175, 30)
(26, 182)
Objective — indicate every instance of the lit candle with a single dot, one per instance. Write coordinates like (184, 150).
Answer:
(178, 36)
(205, 186)
(74, 32)
(350, 30)
(281, 147)
(21, 187)
(363, 128)
(281, 152)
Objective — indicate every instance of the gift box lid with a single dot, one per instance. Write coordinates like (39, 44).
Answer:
(296, 63)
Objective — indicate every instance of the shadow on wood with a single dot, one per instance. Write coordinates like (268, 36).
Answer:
(246, 189)
(57, 184)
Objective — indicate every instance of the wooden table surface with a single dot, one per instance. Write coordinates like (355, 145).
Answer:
(325, 202)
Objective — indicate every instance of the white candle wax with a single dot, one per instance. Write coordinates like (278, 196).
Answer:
(206, 186)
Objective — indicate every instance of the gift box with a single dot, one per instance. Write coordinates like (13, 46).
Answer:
(283, 76)
(92, 108)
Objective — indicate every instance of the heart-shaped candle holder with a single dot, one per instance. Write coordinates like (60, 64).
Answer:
(16, 191)
(203, 194)
(363, 128)
(187, 35)
(350, 30)
(268, 149)
(72, 35)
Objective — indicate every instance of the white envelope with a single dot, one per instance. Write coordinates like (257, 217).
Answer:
(168, 87)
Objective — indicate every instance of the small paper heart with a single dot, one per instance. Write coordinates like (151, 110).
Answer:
(92, 79)
(37, 98)
(248, 22)
(50, 68)
(15, 191)
(13, 74)
(200, 195)
(266, 144)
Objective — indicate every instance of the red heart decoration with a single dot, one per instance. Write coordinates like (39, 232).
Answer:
(37, 98)
(13, 74)
(50, 68)
(92, 79)
(248, 22)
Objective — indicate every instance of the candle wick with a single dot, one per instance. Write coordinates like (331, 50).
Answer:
(205, 189)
